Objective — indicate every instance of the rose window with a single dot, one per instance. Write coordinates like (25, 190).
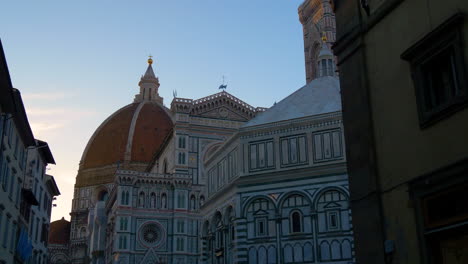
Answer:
(151, 234)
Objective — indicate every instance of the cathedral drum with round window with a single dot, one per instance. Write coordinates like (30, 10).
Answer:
(151, 234)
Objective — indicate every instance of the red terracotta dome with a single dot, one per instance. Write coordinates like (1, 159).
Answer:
(129, 138)
(59, 232)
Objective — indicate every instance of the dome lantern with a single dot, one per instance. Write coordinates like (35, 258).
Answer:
(325, 60)
(149, 86)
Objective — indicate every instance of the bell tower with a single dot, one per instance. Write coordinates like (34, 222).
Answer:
(318, 23)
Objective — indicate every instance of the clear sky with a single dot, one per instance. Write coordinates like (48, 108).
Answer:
(76, 62)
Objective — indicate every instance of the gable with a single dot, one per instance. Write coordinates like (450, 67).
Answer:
(224, 112)
(221, 105)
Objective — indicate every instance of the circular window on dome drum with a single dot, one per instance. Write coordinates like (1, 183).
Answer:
(151, 234)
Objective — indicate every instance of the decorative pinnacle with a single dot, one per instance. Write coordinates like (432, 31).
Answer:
(150, 60)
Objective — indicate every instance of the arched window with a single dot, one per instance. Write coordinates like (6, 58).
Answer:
(192, 202)
(330, 67)
(252, 256)
(332, 210)
(271, 254)
(83, 232)
(122, 223)
(127, 198)
(202, 200)
(262, 255)
(298, 253)
(163, 201)
(181, 158)
(181, 142)
(141, 199)
(153, 200)
(102, 196)
(308, 252)
(219, 229)
(324, 68)
(122, 198)
(324, 251)
(288, 254)
(296, 222)
(335, 250)
(346, 249)
(319, 69)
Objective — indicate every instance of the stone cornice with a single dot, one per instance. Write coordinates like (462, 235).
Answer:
(132, 177)
(291, 125)
(338, 168)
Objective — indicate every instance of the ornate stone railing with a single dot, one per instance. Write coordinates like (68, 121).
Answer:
(153, 175)
(182, 100)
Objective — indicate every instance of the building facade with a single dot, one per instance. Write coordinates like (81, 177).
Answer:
(277, 191)
(26, 194)
(216, 180)
(163, 143)
(273, 192)
(405, 127)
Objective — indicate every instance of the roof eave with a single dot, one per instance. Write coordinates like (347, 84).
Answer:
(45, 151)
(21, 120)
(53, 185)
(6, 88)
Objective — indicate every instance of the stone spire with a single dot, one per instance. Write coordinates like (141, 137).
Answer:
(149, 85)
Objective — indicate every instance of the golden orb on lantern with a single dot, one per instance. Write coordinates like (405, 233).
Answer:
(324, 37)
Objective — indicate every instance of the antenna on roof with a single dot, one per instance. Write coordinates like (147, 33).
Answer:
(174, 93)
(223, 86)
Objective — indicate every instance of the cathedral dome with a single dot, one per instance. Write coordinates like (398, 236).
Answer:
(59, 232)
(129, 138)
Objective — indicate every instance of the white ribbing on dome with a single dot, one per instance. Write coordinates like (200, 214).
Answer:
(149, 85)
(131, 131)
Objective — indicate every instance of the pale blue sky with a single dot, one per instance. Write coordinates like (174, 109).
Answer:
(76, 62)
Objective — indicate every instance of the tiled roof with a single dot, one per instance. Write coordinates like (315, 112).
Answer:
(320, 96)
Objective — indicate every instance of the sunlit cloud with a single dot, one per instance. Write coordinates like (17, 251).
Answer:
(58, 113)
(39, 127)
(47, 120)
